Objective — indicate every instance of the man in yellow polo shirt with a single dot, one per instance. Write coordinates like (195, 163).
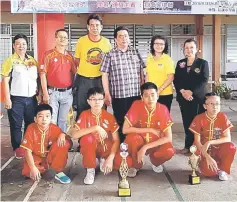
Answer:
(160, 69)
(90, 50)
(20, 79)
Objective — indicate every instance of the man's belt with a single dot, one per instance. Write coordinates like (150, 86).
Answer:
(59, 89)
(98, 77)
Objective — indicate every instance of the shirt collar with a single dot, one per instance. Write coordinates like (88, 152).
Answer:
(15, 56)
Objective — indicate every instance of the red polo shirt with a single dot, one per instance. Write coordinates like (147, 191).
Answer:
(59, 68)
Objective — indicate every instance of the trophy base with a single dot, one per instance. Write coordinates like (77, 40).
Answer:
(194, 180)
(124, 192)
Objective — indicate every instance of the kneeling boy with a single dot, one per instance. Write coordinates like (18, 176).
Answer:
(46, 147)
(212, 137)
(97, 130)
(148, 128)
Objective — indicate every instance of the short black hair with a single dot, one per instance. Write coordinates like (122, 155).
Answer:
(119, 29)
(43, 107)
(94, 16)
(153, 41)
(20, 36)
(60, 30)
(210, 94)
(190, 40)
(95, 90)
(147, 86)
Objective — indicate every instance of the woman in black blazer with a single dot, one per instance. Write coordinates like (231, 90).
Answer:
(190, 81)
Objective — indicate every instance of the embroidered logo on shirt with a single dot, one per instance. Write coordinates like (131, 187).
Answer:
(55, 60)
(158, 123)
(182, 64)
(24, 141)
(79, 121)
(160, 65)
(197, 70)
(217, 133)
(104, 124)
(106, 121)
(30, 64)
(16, 62)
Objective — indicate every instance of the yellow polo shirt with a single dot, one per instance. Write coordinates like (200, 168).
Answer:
(23, 75)
(158, 71)
(91, 54)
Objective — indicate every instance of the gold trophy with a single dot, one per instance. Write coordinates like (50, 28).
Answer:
(123, 186)
(193, 162)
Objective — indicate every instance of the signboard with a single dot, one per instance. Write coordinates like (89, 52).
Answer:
(225, 7)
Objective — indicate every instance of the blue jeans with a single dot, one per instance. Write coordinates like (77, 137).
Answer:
(23, 108)
(61, 103)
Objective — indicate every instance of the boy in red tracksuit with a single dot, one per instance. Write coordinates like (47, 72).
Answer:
(46, 147)
(213, 139)
(97, 131)
(148, 128)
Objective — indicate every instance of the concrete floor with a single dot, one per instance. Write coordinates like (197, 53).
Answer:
(171, 185)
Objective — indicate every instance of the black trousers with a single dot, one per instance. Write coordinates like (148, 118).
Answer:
(166, 100)
(188, 111)
(23, 109)
(120, 107)
(83, 84)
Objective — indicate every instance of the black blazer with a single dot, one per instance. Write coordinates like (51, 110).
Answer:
(196, 80)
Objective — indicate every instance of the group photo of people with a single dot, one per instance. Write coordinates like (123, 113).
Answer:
(40, 95)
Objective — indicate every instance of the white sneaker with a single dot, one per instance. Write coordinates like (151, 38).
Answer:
(223, 176)
(102, 161)
(90, 176)
(157, 169)
(132, 172)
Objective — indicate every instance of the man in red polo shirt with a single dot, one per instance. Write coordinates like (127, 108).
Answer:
(56, 73)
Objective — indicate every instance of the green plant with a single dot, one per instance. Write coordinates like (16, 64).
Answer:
(222, 89)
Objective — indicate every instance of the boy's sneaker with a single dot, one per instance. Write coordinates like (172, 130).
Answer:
(90, 176)
(19, 153)
(157, 169)
(132, 172)
(61, 177)
(223, 176)
(102, 161)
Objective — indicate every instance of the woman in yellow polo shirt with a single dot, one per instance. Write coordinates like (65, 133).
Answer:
(160, 69)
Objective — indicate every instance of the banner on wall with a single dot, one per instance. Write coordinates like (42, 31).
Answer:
(224, 7)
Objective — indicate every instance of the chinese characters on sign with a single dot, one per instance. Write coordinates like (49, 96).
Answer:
(225, 7)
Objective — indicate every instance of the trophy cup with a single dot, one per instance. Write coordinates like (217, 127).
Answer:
(123, 186)
(193, 162)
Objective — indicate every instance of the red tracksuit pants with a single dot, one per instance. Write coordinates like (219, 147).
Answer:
(158, 155)
(223, 154)
(91, 149)
(55, 159)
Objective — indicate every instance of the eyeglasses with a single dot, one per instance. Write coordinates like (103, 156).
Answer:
(159, 44)
(62, 37)
(95, 100)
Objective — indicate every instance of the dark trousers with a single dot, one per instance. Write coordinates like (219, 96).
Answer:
(188, 111)
(120, 107)
(83, 84)
(23, 108)
(166, 100)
